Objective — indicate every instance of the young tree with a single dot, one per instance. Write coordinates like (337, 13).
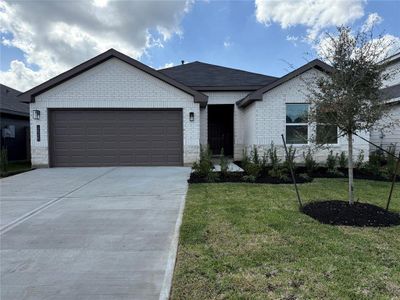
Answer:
(349, 98)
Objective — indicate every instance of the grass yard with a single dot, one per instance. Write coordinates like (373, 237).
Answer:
(16, 167)
(249, 241)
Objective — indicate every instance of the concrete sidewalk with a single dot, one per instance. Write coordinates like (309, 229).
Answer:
(89, 233)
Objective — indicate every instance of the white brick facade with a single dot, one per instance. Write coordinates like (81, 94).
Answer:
(115, 84)
(269, 119)
(387, 136)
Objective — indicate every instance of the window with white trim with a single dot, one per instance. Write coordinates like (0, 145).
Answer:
(297, 123)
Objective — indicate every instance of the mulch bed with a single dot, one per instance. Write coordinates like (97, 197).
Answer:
(238, 177)
(336, 212)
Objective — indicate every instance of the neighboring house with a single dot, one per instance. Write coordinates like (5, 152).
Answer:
(391, 95)
(114, 110)
(14, 124)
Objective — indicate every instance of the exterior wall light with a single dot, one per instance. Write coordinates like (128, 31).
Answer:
(36, 114)
(191, 116)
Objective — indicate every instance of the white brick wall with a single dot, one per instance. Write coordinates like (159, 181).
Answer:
(115, 84)
(386, 136)
(270, 118)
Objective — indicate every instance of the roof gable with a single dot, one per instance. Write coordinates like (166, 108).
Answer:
(258, 94)
(29, 96)
(207, 77)
(10, 103)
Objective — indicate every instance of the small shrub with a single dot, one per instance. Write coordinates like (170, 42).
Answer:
(279, 172)
(249, 178)
(224, 163)
(3, 160)
(374, 163)
(264, 161)
(289, 158)
(391, 159)
(309, 162)
(255, 158)
(252, 169)
(331, 162)
(251, 165)
(212, 177)
(204, 167)
(360, 160)
(343, 160)
(245, 159)
(273, 156)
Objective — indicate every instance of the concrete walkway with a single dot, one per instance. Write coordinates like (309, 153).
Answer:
(90, 233)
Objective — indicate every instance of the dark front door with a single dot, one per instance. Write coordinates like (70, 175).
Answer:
(220, 128)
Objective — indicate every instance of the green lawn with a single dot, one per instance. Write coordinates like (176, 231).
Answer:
(249, 241)
(16, 167)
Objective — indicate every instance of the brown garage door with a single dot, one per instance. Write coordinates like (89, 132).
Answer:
(115, 138)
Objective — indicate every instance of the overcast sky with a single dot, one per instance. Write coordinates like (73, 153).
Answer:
(40, 39)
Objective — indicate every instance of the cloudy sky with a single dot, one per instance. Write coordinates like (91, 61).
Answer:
(40, 39)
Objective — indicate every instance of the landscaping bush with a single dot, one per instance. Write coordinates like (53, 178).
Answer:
(391, 159)
(279, 172)
(331, 162)
(374, 162)
(251, 165)
(309, 162)
(289, 158)
(264, 161)
(343, 160)
(273, 156)
(204, 167)
(254, 156)
(360, 160)
(224, 163)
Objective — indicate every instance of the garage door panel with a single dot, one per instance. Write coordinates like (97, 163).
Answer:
(115, 137)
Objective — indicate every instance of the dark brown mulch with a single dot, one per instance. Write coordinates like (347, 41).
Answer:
(238, 177)
(335, 212)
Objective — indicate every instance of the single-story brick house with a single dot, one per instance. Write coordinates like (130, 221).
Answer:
(113, 110)
(14, 124)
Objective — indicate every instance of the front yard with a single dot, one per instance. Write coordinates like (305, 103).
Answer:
(15, 168)
(249, 241)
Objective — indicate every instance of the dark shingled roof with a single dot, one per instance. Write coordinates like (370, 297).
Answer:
(391, 92)
(10, 103)
(208, 77)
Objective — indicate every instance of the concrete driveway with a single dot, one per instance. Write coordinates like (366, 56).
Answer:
(90, 233)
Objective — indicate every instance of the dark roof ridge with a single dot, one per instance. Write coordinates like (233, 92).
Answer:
(218, 66)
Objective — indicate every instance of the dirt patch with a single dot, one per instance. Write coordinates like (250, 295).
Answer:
(337, 212)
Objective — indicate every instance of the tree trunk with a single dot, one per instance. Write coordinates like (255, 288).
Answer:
(351, 184)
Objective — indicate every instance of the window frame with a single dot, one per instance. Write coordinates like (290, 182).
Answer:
(306, 124)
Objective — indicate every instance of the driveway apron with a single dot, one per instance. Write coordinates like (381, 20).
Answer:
(89, 233)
